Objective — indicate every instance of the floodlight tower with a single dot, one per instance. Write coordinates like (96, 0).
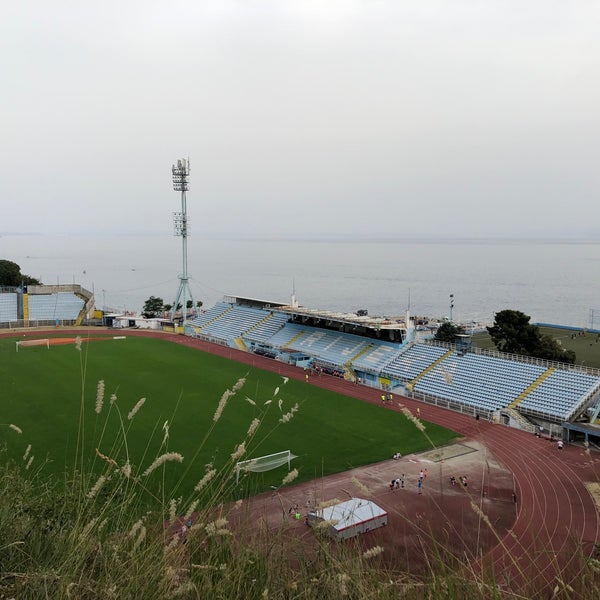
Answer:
(181, 173)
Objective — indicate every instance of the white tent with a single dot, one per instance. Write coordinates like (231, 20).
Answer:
(348, 519)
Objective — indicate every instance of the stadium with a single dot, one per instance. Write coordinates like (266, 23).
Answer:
(508, 411)
(392, 355)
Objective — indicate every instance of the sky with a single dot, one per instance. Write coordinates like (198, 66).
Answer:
(308, 118)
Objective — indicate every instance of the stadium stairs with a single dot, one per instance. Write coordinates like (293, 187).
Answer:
(349, 372)
(410, 386)
(199, 329)
(87, 310)
(296, 337)
(530, 388)
(359, 354)
(524, 423)
(240, 344)
(269, 316)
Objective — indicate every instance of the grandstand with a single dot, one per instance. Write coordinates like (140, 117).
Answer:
(384, 354)
(41, 305)
(8, 307)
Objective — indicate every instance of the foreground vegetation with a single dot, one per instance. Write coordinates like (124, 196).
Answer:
(60, 542)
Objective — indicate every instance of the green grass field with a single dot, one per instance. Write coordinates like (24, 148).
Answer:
(586, 347)
(42, 394)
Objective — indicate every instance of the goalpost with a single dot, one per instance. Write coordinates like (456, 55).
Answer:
(264, 463)
(42, 342)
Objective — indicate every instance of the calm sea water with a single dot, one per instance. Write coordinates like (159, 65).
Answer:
(556, 282)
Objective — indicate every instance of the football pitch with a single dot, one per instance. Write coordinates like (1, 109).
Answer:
(44, 392)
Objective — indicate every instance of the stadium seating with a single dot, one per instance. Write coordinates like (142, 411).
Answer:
(478, 381)
(232, 323)
(210, 315)
(284, 336)
(267, 327)
(560, 394)
(8, 307)
(49, 307)
(330, 346)
(413, 361)
(375, 359)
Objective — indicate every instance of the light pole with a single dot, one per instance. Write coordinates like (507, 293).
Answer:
(451, 305)
(181, 172)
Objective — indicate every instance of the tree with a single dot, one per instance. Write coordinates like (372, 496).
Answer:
(550, 349)
(190, 303)
(513, 333)
(448, 331)
(153, 307)
(11, 276)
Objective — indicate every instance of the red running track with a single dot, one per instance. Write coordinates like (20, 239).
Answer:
(557, 524)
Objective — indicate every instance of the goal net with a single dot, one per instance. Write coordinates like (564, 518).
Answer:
(42, 342)
(264, 463)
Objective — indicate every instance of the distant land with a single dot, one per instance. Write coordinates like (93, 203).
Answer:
(363, 237)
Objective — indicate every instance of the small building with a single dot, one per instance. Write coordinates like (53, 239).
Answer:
(133, 321)
(348, 519)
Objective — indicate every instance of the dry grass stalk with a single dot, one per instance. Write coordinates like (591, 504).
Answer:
(107, 459)
(371, 552)
(99, 396)
(361, 486)
(239, 451)
(290, 477)
(135, 409)
(288, 416)
(191, 509)
(416, 422)
(207, 477)
(97, 487)
(162, 459)
(253, 427)
(172, 509)
(126, 470)
(222, 403)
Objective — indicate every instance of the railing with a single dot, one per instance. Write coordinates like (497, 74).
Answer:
(532, 360)
(55, 289)
(23, 324)
(212, 340)
(452, 405)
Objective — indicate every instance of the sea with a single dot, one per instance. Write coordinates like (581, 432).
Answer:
(553, 281)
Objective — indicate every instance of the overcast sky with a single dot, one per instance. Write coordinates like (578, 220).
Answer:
(388, 117)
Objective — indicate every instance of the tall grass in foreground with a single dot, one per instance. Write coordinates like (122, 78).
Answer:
(106, 533)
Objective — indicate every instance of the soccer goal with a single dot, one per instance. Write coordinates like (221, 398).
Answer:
(42, 342)
(264, 463)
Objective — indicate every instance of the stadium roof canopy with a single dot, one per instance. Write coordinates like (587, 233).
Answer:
(362, 324)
